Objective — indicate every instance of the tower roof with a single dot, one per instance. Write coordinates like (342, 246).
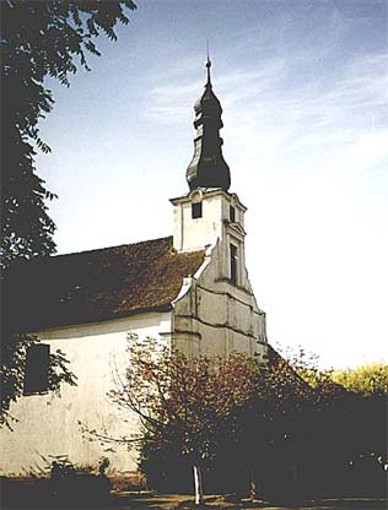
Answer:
(208, 98)
(208, 168)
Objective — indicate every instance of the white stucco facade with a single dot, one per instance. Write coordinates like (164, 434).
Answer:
(48, 425)
(219, 314)
(215, 312)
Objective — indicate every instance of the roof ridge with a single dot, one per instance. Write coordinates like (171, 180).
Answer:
(95, 250)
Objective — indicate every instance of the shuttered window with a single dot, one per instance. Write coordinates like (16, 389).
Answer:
(37, 369)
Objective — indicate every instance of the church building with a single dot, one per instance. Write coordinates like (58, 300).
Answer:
(190, 289)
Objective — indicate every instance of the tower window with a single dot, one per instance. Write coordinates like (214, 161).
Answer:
(233, 263)
(232, 214)
(36, 378)
(196, 210)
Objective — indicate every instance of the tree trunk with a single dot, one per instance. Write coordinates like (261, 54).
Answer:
(198, 490)
(252, 487)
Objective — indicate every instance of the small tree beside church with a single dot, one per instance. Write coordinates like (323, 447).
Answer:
(185, 405)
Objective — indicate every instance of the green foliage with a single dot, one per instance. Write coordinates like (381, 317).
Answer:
(242, 421)
(365, 380)
(38, 40)
(59, 483)
(60, 466)
(184, 403)
(12, 370)
(196, 411)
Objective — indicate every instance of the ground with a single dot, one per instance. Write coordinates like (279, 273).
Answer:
(88, 494)
(124, 501)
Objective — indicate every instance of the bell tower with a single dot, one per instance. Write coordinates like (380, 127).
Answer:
(220, 314)
(209, 212)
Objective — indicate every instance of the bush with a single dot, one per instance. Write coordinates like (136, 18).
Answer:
(65, 486)
(79, 487)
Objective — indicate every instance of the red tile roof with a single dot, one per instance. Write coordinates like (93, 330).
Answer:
(95, 285)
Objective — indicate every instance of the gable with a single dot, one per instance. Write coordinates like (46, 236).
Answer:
(95, 285)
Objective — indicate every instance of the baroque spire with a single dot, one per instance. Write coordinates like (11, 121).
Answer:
(208, 168)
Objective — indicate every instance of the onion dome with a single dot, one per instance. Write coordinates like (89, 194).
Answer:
(208, 168)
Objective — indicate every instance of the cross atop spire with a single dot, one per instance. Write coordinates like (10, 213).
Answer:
(208, 64)
(208, 168)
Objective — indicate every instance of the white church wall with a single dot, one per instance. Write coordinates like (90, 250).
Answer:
(212, 306)
(48, 424)
(194, 234)
(222, 317)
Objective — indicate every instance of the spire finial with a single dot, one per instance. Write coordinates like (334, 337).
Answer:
(208, 169)
(208, 63)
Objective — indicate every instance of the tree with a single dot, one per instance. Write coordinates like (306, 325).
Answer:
(12, 370)
(285, 429)
(184, 405)
(39, 39)
(365, 380)
(367, 390)
(348, 422)
(275, 430)
(231, 418)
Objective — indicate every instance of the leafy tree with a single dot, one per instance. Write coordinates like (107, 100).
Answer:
(296, 433)
(185, 405)
(348, 422)
(39, 39)
(366, 403)
(365, 380)
(239, 422)
(275, 431)
(285, 430)
(12, 370)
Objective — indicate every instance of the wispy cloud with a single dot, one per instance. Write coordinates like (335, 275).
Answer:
(335, 120)
(329, 116)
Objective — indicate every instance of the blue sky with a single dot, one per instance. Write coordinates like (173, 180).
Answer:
(303, 86)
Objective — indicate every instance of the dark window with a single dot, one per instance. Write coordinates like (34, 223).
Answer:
(196, 210)
(37, 369)
(233, 263)
(232, 214)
